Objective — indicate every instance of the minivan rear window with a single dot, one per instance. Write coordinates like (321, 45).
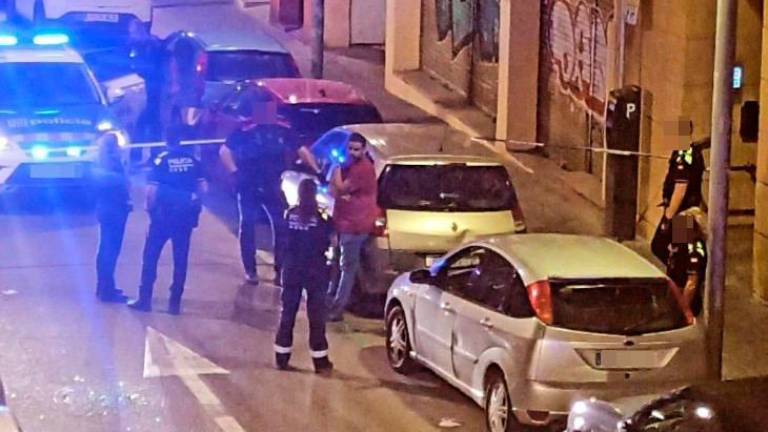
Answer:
(446, 187)
(616, 306)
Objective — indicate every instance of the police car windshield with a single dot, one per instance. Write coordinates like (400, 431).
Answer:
(45, 85)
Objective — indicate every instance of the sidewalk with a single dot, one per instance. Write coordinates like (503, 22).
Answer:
(565, 202)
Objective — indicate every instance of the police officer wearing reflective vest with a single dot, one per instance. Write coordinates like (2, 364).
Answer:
(174, 188)
(682, 190)
(687, 262)
(305, 269)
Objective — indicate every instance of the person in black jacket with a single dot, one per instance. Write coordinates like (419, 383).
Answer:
(305, 269)
(174, 190)
(113, 204)
(256, 155)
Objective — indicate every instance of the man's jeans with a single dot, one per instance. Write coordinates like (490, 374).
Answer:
(351, 251)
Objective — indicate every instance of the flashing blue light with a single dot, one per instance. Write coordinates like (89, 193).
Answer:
(8, 40)
(342, 159)
(39, 152)
(324, 189)
(74, 151)
(50, 39)
(335, 153)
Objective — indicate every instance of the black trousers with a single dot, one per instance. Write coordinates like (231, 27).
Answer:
(249, 206)
(160, 231)
(292, 288)
(111, 233)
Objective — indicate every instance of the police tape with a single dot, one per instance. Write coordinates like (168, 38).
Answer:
(530, 145)
(153, 144)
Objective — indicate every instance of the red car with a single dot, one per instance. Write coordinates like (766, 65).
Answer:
(310, 107)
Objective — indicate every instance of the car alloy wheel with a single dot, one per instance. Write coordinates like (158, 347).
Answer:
(498, 412)
(398, 344)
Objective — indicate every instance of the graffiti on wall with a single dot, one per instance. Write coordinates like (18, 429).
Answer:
(465, 19)
(578, 48)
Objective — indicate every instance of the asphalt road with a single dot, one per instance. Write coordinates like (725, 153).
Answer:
(70, 363)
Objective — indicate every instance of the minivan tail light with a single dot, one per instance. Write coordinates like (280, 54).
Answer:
(380, 224)
(681, 301)
(540, 295)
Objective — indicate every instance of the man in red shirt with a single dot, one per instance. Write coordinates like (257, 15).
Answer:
(354, 213)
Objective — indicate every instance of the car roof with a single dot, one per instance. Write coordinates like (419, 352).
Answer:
(417, 143)
(230, 40)
(309, 90)
(571, 256)
(27, 54)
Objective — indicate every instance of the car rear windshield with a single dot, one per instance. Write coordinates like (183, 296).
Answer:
(616, 306)
(46, 85)
(316, 119)
(448, 187)
(247, 65)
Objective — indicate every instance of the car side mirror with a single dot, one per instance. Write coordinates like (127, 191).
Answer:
(421, 276)
(114, 95)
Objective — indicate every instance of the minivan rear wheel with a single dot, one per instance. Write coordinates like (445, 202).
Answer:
(398, 343)
(499, 416)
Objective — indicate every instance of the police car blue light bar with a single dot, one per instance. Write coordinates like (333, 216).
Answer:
(50, 39)
(39, 152)
(8, 40)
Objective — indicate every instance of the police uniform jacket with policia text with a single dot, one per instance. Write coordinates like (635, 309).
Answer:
(307, 242)
(177, 175)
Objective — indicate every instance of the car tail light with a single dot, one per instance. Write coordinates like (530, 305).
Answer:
(201, 66)
(681, 301)
(540, 295)
(380, 225)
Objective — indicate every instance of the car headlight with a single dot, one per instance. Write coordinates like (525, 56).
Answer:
(4, 143)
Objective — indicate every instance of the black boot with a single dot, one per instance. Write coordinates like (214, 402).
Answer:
(322, 365)
(142, 304)
(112, 296)
(281, 361)
(174, 304)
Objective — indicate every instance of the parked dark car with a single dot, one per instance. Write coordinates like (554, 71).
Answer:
(727, 406)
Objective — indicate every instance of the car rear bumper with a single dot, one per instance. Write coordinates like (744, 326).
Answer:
(541, 403)
(383, 265)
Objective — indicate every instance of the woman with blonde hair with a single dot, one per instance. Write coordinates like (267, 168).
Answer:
(687, 263)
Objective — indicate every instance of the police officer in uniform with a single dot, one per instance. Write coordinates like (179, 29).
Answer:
(113, 204)
(682, 190)
(256, 155)
(305, 268)
(687, 262)
(175, 186)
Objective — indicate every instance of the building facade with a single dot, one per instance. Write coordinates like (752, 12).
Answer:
(541, 70)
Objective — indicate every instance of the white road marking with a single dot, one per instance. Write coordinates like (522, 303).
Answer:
(164, 356)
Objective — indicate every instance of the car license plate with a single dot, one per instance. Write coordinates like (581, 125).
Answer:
(54, 171)
(630, 359)
(102, 17)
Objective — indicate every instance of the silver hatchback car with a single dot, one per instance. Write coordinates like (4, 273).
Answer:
(528, 324)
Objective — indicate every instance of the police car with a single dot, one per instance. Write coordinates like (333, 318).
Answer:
(52, 113)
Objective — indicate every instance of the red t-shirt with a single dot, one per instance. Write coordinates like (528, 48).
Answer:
(356, 210)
